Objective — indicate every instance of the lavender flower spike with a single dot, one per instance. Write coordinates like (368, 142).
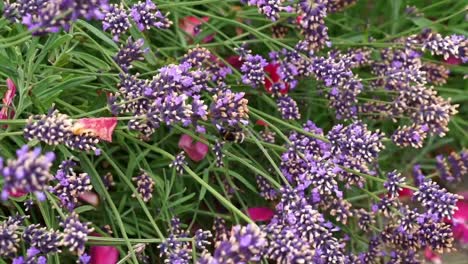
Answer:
(29, 172)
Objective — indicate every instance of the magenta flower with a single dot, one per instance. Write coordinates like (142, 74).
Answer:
(460, 222)
(260, 214)
(196, 151)
(103, 254)
(5, 113)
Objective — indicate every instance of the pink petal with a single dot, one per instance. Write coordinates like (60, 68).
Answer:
(405, 193)
(234, 61)
(196, 152)
(10, 93)
(461, 213)
(261, 123)
(260, 213)
(90, 197)
(190, 23)
(453, 60)
(102, 127)
(432, 256)
(104, 255)
(7, 100)
(17, 193)
(185, 141)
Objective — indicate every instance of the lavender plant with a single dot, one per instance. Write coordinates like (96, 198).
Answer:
(253, 131)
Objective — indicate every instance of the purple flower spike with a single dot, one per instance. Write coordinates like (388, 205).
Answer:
(29, 172)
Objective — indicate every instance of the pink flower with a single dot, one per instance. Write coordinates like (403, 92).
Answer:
(235, 61)
(405, 194)
(102, 127)
(7, 100)
(196, 151)
(274, 77)
(432, 256)
(17, 193)
(460, 222)
(191, 25)
(262, 214)
(103, 254)
(453, 60)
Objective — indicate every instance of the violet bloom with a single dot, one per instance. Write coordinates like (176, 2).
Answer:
(172, 249)
(56, 128)
(147, 15)
(436, 200)
(52, 128)
(252, 70)
(393, 183)
(197, 56)
(454, 45)
(116, 21)
(229, 109)
(435, 73)
(45, 241)
(29, 172)
(218, 153)
(171, 109)
(356, 140)
(245, 244)
(412, 136)
(179, 162)
(458, 165)
(365, 219)
(202, 239)
(145, 186)
(9, 238)
(75, 233)
(265, 188)
(312, 25)
(70, 184)
(288, 108)
(270, 8)
(129, 53)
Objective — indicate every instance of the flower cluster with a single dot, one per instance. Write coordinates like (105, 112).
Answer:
(252, 68)
(70, 184)
(245, 244)
(146, 15)
(436, 200)
(29, 172)
(75, 233)
(50, 16)
(9, 238)
(55, 128)
(453, 167)
(174, 250)
(145, 185)
(45, 241)
(312, 25)
(129, 53)
(229, 109)
(270, 8)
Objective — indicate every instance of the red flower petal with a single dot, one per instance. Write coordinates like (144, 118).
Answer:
(432, 256)
(260, 213)
(102, 127)
(235, 61)
(7, 100)
(104, 255)
(405, 194)
(261, 123)
(190, 24)
(273, 77)
(17, 193)
(453, 60)
(196, 152)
